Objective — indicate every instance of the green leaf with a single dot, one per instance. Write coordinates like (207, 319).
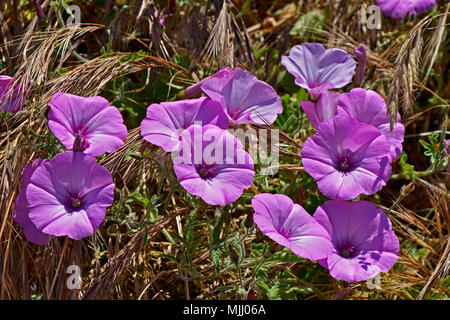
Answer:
(218, 229)
(215, 256)
(407, 169)
(434, 149)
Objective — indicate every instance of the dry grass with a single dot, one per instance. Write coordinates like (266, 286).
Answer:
(405, 64)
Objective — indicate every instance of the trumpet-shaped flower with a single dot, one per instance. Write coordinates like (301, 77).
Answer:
(367, 106)
(400, 8)
(245, 99)
(288, 224)
(317, 69)
(212, 164)
(347, 158)
(89, 125)
(362, 239)
(165, 121)
(69, 194)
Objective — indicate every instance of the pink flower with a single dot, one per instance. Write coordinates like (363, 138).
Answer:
(347, 158)
(212, 164)
(400, 8)
(68, 195)
(89, 125)
(362, 239)
(244, 98)
(288, 224)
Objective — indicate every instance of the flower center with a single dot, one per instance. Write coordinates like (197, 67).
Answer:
(206, 171)
(344, 164)
(348, 252)
(80, 144)
(75, 202)
(235, 114)
(285, 232)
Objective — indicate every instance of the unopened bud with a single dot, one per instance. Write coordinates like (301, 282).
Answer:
(406, 190)
(136, 155)
(11, 154)
(360, 54)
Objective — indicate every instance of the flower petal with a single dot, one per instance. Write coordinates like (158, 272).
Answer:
(367, 106)
(21, 207)
(245, 99)
(165, 121)
(398, 9)
(323, 109)
(291, 226)
(317, 69)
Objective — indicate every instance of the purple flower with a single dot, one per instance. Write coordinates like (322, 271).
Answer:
(68, 195)
(347, 158)
(291, 226)
(21, 207)
(367, 106)
(399, 8)
(11, 102)
(165, 121)
(245, 99)
(212, 164)
(323, 109)
(360, 54)
(89, 125)
(317, 69)
(362, 238)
